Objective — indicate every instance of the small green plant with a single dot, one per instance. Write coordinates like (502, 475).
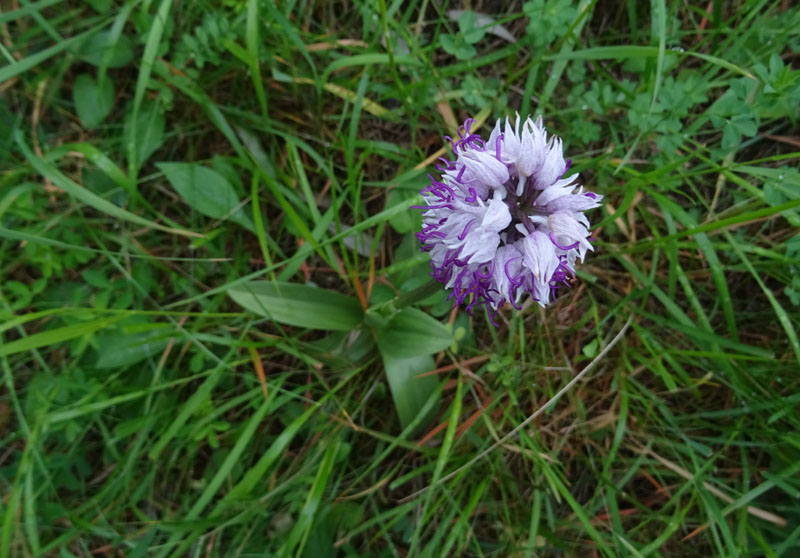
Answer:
(461, 44)
(548, 19)
(781, 89)
(734, 113)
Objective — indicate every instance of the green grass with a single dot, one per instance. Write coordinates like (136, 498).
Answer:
(213, 309)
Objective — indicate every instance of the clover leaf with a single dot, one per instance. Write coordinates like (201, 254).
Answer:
(460, 44)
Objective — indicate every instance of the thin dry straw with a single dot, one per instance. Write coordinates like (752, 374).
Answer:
(528, 420)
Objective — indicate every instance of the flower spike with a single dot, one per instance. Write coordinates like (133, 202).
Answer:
(504, 220)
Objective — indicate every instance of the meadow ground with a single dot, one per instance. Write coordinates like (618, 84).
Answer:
(214, 310)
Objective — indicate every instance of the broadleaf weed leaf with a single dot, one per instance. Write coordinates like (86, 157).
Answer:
(548, 19)
(466, 25)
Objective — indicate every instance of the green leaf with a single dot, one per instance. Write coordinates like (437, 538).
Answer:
(55, 336)
(199, 397)
(548, 20)
(448, 43)
(302, 528)
(299, 305)
(9, 71)
(92, 100)
(730, 136)
(100, 6)
(96, 278)
(206, 191)
(124, 347)
(793, 247)
(793, 292)
(341, 349)
(102, 161)
(745, 125)
(89, 198)
(406, 344)
(150, 125)
(412, 332)
(257, 472)
(773, 195)
(458, 46)
(409, 391)
(466, 25)
(406, 221)
(95, 48)
(232, 459)
(8, 123)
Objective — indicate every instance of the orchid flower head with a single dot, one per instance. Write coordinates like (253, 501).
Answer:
(505, 219)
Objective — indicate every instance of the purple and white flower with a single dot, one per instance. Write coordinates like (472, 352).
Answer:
(503, 219)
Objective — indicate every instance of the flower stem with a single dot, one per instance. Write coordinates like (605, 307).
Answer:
(420, 293)
(380, 314)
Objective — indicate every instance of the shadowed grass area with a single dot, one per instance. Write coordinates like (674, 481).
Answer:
(166, 168)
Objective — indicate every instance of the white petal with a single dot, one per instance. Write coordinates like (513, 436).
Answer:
(532, 150)
(521, 184)
(455, 225)
(566, 181)
(467, 181)
(573, 202)
(563, 224)
(483, 247)
(581, 218)
(539, 123)
(502, 261)
(511, 143)
(542, 292)
(552, 193)
(497, 216)
(540, 256)
(484, 168)
(495, 134)
(567, 230)
(437, 254)
(552, 167)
